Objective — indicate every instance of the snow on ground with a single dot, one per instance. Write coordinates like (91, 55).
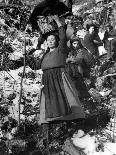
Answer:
(11, 86)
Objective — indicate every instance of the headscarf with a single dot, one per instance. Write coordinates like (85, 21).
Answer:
(90, 25)
(73, 39)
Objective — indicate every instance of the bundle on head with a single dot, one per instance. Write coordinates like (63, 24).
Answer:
(39, 18)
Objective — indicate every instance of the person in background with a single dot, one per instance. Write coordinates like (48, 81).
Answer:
(101, 34)
(78, 65)
(92, 41)
(110, 41)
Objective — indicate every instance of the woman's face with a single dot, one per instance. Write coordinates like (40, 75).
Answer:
(91, 29)
(51, 41)
(75, 44)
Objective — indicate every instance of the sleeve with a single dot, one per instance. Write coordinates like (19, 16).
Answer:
(62, 36)
(98, 41)
(33, 63)
(79, 58)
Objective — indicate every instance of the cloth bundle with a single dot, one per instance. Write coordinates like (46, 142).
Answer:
(40, 17)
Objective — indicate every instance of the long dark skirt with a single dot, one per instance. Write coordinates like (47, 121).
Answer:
(59, 98)
(77, 79)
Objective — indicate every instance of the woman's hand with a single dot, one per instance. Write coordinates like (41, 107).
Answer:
(59, 20)
(68, 60)
(71, 59)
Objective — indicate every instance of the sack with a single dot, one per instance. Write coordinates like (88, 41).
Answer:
(101, 50)
(38, 19)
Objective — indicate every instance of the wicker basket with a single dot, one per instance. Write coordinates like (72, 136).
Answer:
(46, 24)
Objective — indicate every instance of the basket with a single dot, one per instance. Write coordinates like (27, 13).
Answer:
(46, 24)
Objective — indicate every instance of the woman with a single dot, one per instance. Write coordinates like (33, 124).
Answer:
(78, 66)
(101, 34)
(110, 42)
(92, 40)
(59, 98)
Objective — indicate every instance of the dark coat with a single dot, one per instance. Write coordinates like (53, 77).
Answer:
(90, 44)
